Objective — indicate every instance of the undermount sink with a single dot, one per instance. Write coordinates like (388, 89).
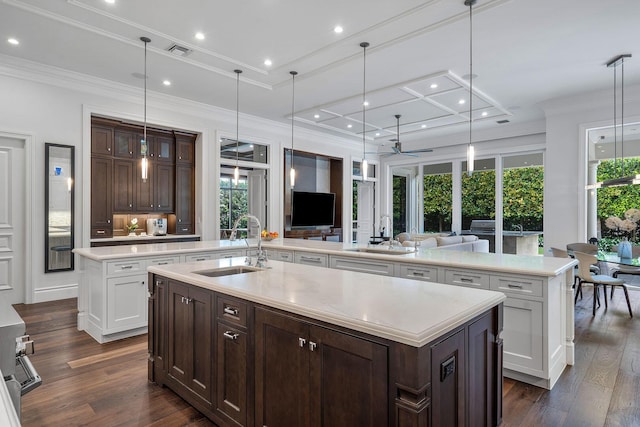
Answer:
(386, 250)
(228, 271)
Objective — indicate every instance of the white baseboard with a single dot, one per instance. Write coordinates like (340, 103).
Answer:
(55, 293)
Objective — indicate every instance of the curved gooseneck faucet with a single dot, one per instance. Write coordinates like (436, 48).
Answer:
(262, 257)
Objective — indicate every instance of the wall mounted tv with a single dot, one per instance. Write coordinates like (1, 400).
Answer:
(310, 209)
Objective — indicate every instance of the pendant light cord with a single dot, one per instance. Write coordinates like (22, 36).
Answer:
(471, 3)
(615, 119)
(364, 46)
(622, 116)
(145, 98)
(293, 99)
(238, 72)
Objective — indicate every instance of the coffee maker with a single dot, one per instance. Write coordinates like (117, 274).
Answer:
(157, 226)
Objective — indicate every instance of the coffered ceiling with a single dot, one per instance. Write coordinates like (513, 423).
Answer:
(417, 65)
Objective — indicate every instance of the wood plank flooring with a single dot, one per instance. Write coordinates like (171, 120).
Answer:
(85, 383)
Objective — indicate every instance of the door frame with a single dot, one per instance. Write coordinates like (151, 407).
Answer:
(29, 223)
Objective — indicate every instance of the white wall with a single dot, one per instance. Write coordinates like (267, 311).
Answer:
(52, 105)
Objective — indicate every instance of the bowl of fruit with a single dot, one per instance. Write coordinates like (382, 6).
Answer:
(268, 235)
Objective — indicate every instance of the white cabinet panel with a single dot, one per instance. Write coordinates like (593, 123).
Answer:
(417, 272)
(126, 303)
(517, 285)
(471, 279)
(279, 255)
(164, 260)
(205, 256)
(523, 336)
(128, 267)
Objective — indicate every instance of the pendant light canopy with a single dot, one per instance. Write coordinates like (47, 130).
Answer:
(236, 171)
(614, 63)
(470, 149)
(292, 171)
(144, 147)
(365, 166)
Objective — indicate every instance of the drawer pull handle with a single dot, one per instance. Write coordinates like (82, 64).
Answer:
(100, 232)
(312, 345)
(231, 311)
(301, 342)
(304, 258)
(418, 273)
(231, 335)
(163, 263)
(466, 280)
(126, 267)
(514, 286)
(200, 259)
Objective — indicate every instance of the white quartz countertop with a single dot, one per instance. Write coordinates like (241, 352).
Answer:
(503, 263)
(144, 237)
(406, 311)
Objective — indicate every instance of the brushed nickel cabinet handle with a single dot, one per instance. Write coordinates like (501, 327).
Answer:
(301, 342)
(231, 310)
(231, 335)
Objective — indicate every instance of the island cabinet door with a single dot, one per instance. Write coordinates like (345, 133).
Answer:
(349, 380)
(190, 339)
(448, 370)
(281, 370)
(231, 373)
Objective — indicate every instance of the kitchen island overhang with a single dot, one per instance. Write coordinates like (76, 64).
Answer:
(429, 336)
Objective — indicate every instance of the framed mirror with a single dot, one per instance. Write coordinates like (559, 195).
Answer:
(59, 206)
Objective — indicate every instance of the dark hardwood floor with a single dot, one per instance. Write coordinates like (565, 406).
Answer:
(85, 383)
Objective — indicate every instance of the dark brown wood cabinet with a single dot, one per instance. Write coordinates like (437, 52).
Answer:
(167, 190)
(190, 343)
(244, 364)
(101, 200)
(307, 375)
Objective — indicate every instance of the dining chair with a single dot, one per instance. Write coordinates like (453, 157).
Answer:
(585, 275)
(587, 248)
(625, 269)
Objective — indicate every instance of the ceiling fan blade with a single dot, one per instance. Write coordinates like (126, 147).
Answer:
(422, 150)
(409, 154)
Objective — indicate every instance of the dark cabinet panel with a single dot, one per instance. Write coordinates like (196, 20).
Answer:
(282, 370)
(163, 148)
(164, 187)
(448, 370)
(125, 143)
(145, 190)
(185, 200)
(101, 197)
(231, 373)
(101, 140)
(190, 338)
(185, 149)
(348, 379)
(123, 171)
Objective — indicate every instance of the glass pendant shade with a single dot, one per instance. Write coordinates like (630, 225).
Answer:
(292, 177)
(144, 165)
(236, 175)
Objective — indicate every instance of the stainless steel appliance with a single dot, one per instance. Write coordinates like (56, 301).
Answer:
(18, 373)
(157, 226)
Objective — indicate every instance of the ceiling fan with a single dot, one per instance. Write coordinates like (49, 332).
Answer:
(397, 146)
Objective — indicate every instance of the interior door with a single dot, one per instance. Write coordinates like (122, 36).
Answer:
(257, 199)
(12, 214)
(366, 220)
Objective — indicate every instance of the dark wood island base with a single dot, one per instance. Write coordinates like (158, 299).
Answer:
(246, 364)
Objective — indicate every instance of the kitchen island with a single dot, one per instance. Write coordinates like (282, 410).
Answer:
(298, 345)
(539, 327)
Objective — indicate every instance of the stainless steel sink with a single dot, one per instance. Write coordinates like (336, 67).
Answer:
(384, 250)
(228, 271)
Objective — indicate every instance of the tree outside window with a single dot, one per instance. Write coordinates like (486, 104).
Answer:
(233, 204)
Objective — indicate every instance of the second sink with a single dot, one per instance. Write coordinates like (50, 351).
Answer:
(227, 271)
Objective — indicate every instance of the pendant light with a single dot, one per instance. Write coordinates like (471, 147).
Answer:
(292, 171)
(144, 148)
(470, 149)
(365, 166)
(236, 171)
(614, 63)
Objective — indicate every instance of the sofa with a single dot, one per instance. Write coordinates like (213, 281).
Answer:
(468, 243)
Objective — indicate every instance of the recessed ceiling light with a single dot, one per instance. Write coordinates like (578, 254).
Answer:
(366, 103)
(434, 85)
(423, 126)
(485, 114)
(13, 41)
(199, 36)
(462, 101)
(349, 126)
(110, 1)
(166, 82)
(268, 62)
(338, 29)
(377, 133)
(316, 116)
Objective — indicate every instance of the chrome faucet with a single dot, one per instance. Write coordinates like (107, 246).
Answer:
(518, 227)
(262, 256)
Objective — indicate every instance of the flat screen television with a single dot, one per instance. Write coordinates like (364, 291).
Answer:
(310, 209)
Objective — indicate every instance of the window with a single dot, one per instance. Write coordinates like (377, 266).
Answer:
(437, 197)
(233, 204)
(247, 151)
(478, 192)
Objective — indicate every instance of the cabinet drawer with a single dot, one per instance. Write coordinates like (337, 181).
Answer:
(164, 260)
(199, 257)
(232, 310)
(517, 285)
(101, 232)
(284, 256)
(428, 274)
(470, 279)
(119, 267)
(319, 260)
(362, 265)
(230, 254)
